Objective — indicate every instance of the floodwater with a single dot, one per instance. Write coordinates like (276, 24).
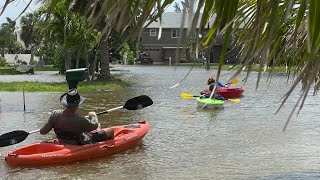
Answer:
(242, 141)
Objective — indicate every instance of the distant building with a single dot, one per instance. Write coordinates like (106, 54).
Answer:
(25, 56)
(163, 49)
(19, 40)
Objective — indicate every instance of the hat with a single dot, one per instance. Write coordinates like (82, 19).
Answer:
(71, 99)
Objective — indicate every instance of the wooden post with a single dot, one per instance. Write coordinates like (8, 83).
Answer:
(24, 101)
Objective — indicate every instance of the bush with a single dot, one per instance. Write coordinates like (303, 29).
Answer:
(33, 62)
(3, 62)
(130, 58)
(24, 63)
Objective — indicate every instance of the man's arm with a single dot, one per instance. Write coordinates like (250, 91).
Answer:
(49, 124)
(93, 122)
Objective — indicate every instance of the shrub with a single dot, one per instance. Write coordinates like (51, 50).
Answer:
(130, 57)
(3, 62)
(33, 62)
(24, 63)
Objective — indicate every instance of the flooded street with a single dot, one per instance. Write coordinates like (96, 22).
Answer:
(242, 141)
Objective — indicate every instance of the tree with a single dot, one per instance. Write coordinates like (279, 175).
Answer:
(257, 21)
(7, 37)
(68, 32)
(29, 35)
(185, 6)
(105, 16)
(108, 44)
(177, 8)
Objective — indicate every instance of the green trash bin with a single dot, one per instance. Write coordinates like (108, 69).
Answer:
(73, 76)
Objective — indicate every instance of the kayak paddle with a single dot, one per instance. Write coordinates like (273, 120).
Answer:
(18, 136)
(233, 81)
(188, 96)
(135, 103)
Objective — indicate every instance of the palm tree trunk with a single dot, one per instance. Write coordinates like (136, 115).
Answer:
(31, 55)
(104, 52)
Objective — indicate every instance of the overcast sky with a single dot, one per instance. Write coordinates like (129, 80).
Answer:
(14, 9)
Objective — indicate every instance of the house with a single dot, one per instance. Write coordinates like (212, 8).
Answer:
(172, 39)
(18, 35)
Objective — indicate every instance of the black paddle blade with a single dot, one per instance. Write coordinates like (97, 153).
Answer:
(13, 137)
(138, 102)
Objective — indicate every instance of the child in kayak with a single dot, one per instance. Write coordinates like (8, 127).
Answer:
(215, 96)
(211, 82)
(72, 128)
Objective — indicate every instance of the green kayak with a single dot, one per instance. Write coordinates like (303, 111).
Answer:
(210, 103)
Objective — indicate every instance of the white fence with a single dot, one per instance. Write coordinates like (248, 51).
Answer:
(13, 58)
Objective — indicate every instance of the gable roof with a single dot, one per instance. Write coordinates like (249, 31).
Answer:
(174, 20)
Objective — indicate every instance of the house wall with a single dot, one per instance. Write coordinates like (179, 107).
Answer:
(154, 52)
(160, 50)
(164, 48)
(231, 56)
(164, 41)
(171, 53)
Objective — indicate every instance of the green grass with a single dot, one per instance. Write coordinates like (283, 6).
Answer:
(87, 86)
(12, 71)
(8, 71)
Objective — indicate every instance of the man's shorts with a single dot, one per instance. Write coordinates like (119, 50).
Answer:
(94, 137)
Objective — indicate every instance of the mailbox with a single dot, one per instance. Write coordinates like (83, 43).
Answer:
(77, 74)
(73, 76)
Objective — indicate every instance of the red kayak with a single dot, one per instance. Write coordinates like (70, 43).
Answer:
(44, 153)
(227, 92)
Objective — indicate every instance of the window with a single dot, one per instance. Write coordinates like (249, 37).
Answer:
(175, 33)
(153, 32)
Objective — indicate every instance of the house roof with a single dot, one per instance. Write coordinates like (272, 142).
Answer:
(174, 20)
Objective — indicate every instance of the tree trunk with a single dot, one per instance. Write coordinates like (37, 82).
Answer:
(67, 61)
(2, 52)
(31, 55)
(78, 59)
(93, 73)
(87, 61)
(41, 61)
(104, 55)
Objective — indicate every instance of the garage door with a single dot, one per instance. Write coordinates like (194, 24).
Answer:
(155, 54)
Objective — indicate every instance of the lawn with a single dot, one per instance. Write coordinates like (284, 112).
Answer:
(87, 86)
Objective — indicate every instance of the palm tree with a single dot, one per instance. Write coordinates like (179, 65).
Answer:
(7, 37)
(69, 31)
(260, 26)
(28, 32)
